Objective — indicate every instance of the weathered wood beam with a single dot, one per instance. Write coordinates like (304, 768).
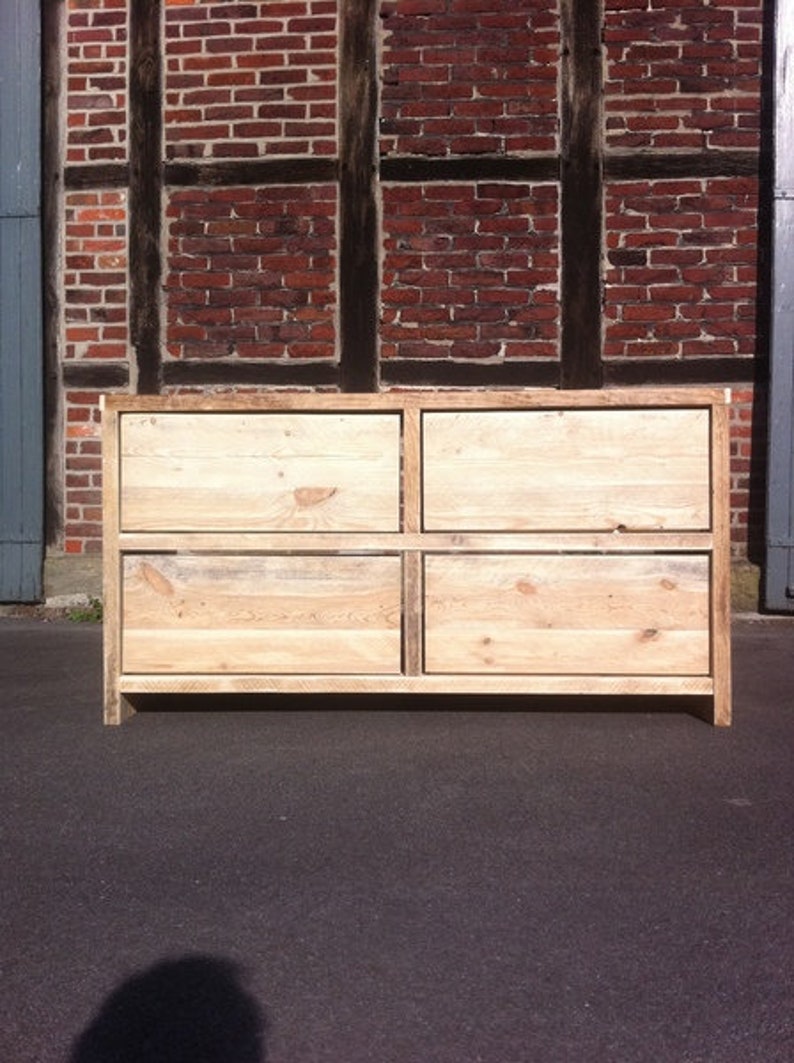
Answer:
(442, 372)
(470, 168)
(358, 210)
(251, 172)
(660, 165)
(95, 376)
(668, 372)
(581, 193)
(255, 373)
(145, 190)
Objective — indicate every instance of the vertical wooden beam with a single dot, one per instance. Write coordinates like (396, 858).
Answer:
(721, 563)
(146, 186)
(117, 708)
(413, 563)
(358, 209)
(582, 193)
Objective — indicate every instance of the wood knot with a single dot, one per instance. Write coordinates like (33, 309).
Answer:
(525, 587)
(648, 634)
(306, 497)
(156, 580)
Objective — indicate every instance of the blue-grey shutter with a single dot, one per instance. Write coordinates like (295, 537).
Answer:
(21, 360)
(779, 576)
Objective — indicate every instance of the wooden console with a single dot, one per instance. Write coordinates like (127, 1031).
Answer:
(534, 542)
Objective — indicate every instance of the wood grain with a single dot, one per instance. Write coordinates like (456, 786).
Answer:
(418, 542)
(566, 470)
(600, 615)
(248, 472)
(280, 614)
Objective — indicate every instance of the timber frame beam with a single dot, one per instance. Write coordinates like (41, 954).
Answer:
(580, 169)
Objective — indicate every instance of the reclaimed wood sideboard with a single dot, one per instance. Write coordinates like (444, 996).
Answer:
(527, 542)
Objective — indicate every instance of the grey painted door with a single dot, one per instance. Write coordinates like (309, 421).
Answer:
(779, 576)
(21, 363)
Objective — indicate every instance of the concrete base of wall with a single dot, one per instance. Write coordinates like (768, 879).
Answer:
(745, 587)
(68, 576)
(72, 585)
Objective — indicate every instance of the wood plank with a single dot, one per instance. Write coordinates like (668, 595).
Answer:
(95, 376)
(222, 472)
(625, 611)
(336, 402)
(413, 613)
(222, 173)
(564, 615)
(435, 685)
(358, 205)
(201, 373)
(667, 372)
(77, 176)
(660, 165)
(221, 614)
(428, 169)
(430, 542)
(145, 193)
(412, 471)
(567, 469)
(443, 373)
(116, 707)
(721, 569)
(53, 118)
(581, 192)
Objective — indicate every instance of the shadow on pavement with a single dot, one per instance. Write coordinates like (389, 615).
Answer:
(190, 1010)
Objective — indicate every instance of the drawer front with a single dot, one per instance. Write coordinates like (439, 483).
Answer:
(260, 472)
(268, 615)
(574, 614)
(567, 470)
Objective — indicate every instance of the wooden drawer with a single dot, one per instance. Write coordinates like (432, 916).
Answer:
(219, 614)
(576, 614)
(566, 470)
(204, 471)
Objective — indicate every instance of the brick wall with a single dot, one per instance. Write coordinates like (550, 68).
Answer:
(682, 76)
(96, 80)
(83, 474)
(469, 261)
(95, 275)
(469, 77)
(681, 268)
(470, 271)
(250, 79)
(251, 273)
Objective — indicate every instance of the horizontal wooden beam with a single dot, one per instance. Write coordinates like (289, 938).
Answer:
(100, 175)
(95, 376)
(633, 372)
(252, 172)
(470, 168)
(617, 166)
(659, 165)
(441, 372)
(254, 373)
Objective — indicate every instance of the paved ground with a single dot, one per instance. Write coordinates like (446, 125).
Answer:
(424, 883)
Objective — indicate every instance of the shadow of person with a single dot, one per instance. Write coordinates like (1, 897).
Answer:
(190, 1010)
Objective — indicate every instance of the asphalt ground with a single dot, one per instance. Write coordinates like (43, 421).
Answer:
(374, 881)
